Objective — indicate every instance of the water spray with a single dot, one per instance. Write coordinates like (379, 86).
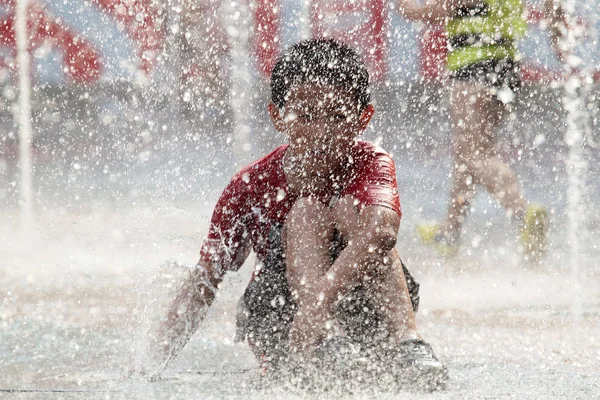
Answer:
(577, 87)
(24, 115)
(305, 27)
(237, 21)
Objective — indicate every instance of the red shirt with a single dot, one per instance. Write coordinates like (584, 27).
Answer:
(257, 198)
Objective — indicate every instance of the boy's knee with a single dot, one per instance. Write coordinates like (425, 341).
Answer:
(345, 213)
(308, 213)
(308, 206)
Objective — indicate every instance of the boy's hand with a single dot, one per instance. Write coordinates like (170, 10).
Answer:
(137, 371)
(134, 372)
(309, 328)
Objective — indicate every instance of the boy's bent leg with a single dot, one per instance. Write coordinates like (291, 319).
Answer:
(404, 351)
(387, 283)
(390, 291)
(309, 232)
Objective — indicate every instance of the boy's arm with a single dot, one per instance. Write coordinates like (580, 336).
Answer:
(226, 248)
(187, 310)
(432, 11)
(191, 303)
(371, 236)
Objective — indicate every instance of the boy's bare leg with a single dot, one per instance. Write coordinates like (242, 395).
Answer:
(387, 285)
(475, 117)
(308, 234)
(390, 293)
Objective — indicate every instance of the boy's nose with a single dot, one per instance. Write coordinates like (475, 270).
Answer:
(322, 127)
(322, 137)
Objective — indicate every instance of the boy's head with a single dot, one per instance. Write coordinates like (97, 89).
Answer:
(320, 94)
(320, 62)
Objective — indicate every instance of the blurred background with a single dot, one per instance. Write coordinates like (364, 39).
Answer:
(141, 111)
(170, 91)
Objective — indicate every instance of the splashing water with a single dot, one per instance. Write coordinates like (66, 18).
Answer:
(237, 28)
(70, 291)
(25, 128)
(575, 100)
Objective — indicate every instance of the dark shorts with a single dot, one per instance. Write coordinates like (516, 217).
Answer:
(267, 308)
(497, 74)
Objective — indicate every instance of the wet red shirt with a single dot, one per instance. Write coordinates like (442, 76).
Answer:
(257, 198)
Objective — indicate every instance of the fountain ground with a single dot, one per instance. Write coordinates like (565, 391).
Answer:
(74, 291)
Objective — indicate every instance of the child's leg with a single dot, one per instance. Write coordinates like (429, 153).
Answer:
(461, 195)
(309, 232)
(387, 284)
(390, 292)
(310, 227)
(475, 116)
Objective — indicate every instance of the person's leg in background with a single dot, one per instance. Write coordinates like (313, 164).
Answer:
(476, 115)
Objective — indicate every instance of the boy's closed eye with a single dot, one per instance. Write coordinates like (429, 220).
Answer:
(335, 117)
(340, 117)
(305, 118)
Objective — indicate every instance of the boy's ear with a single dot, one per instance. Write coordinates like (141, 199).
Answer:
(365, 117)
(276, 117)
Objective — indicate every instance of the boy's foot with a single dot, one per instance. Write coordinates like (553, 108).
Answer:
(330, 366)
(534, 233)
(418, 366)
(335, 352)
(430, 234)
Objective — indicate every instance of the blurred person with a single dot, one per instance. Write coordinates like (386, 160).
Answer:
(205, 61)
(322, 214)
(483, 62)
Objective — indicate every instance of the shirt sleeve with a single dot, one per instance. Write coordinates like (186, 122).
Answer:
(375, 182)
(228, 243)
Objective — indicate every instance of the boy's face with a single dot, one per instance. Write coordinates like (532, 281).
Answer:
(322, 122)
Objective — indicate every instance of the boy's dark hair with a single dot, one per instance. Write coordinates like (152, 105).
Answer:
(320, 61)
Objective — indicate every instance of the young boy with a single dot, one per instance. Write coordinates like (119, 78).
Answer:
(322, 215)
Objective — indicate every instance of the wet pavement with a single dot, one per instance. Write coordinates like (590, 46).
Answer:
(76, 299)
